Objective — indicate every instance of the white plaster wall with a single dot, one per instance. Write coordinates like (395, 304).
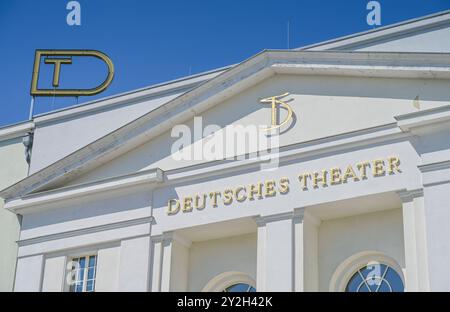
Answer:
(437, 211)
(210, 258)
(341, 238)
(311, 255)
(54, 274)
(179, 267)
(29, 273)
(277, 254)
(134, 264)
(13, 167)
(95, 210)
(108, 261)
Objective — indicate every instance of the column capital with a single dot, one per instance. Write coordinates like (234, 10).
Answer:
(186, 242)
(409, 195)
(298, 215)
(303, 215)
(263, 220)
(164, 237)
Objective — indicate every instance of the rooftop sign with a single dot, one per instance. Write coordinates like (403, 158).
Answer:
(64, 57)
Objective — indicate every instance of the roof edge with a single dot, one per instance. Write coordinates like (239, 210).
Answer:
(376, 33)
(155, 90)
(16, 130)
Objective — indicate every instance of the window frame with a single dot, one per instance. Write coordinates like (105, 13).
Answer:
(351, 265)
(381, 277)
(227, 279)
(85, 279)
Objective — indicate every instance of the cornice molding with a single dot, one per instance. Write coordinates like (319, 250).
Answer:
(434, 166)
(299, 215)
(84, 231)
(263, 220)
(410, 195)
(168, 237)
(427, 117)
(19, 206)
(302, 215)
(16, 131)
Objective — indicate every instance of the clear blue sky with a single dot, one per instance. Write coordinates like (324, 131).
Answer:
(155, 41)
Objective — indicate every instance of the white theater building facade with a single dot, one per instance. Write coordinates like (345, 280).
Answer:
(352, 195)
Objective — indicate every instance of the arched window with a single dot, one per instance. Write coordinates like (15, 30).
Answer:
(368, 271)
(375, 277)
(231, 282)
(240, 287)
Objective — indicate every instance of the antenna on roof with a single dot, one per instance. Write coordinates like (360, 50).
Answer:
(30, 115)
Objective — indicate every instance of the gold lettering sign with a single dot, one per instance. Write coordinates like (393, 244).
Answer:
(271, 188)
(60, 57)
(274, 101)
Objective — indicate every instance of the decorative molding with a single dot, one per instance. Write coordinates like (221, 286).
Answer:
(301, 215)
(16, 131)
(409, 195)
(263, 220)
(426, 117)
(146, 177)
(165, 237)
(380, 71)
(434, 166)
(88, 230)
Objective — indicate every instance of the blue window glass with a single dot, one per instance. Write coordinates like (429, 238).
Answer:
(241, 287)
(92, 260)
(90, 285)
(82, 263)
(375, 278)
(83, 274)
(91, 273)
(78, 287)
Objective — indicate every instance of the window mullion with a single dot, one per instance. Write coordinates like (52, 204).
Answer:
(85, 273)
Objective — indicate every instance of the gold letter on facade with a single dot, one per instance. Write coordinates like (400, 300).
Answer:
(173, 206)
(274, 100)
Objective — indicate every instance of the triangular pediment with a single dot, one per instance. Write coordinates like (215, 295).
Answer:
(330, 93)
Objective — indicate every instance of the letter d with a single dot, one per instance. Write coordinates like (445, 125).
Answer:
(173, 206)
